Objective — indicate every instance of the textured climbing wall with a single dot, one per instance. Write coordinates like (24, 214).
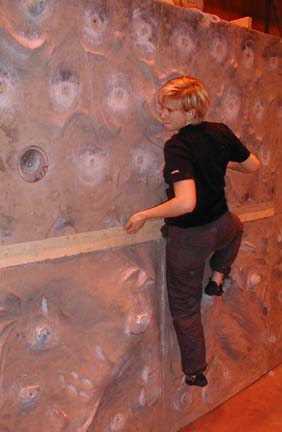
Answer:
(81, 352)
(87, 343)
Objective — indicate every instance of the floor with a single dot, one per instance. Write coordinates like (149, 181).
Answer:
(256, 409)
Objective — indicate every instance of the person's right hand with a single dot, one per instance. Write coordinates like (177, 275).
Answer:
(135, 223)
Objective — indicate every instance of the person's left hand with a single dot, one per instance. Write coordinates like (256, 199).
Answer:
(135, 223)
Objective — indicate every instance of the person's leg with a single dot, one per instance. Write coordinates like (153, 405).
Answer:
(215, 284)
(187, 251)
(187, 323)
(228, 241)
(217, 277)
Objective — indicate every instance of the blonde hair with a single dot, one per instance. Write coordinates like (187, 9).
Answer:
(189, 92)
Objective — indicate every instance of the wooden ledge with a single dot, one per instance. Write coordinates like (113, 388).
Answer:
(71, 245)
(254, 213)
(246, 22)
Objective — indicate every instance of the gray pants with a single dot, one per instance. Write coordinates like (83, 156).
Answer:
(187, 250)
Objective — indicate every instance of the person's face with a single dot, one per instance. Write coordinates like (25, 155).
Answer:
(172, 116)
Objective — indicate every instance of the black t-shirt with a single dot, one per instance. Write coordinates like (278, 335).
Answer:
(202, 152)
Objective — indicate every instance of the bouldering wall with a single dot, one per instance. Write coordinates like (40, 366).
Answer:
(80, 344)
(86, 340)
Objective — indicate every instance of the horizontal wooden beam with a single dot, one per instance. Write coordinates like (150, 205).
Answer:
(71, 245)
(254, 214)
(246, 22)
(168, 1)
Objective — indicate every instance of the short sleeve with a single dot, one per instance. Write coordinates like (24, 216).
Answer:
(238, 152)
(178, 163)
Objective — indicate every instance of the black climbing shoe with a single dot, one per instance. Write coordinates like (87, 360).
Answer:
(212, 289)
(197, 379)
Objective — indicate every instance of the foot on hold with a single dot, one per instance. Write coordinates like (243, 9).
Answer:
(212, 289)
(197, 379)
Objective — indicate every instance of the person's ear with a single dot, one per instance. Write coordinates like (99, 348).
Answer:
(191, 114)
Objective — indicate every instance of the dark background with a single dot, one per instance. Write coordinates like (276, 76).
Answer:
(257, 9)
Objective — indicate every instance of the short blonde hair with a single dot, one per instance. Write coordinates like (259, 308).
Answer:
(189, 92)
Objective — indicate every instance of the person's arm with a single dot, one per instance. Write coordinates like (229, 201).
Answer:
(183, 202)
(250, 165)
